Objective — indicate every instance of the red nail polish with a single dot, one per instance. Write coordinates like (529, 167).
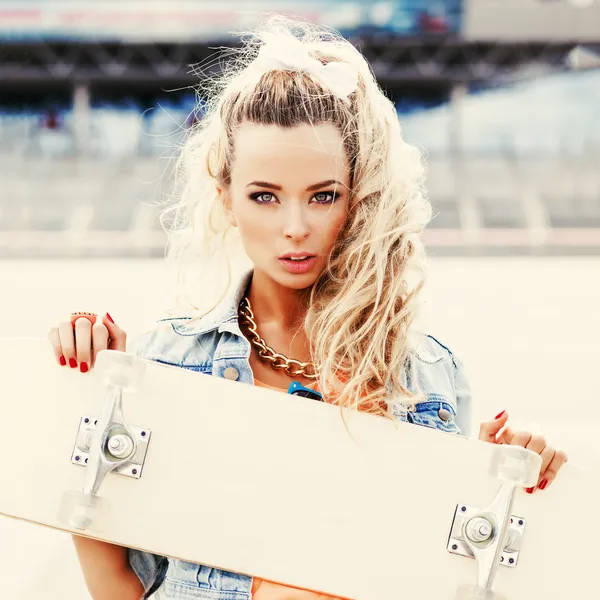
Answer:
(529, 490)
(109, 318)
(83, 367)
(543, 484)
(63, 361)
(72, 363)
(498, 416)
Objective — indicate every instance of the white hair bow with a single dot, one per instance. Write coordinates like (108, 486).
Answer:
(290, 54)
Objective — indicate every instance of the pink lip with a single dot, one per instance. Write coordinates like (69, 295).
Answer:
(296, 255)
(298, 267)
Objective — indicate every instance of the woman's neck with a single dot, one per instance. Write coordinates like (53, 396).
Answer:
(275, 306)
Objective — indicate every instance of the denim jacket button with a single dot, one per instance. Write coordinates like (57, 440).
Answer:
(444, 415)
(231, 373)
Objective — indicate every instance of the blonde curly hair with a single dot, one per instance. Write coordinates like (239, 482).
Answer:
(364, 302)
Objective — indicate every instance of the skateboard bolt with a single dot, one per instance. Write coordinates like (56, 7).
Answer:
(478, 529)
(120, 445)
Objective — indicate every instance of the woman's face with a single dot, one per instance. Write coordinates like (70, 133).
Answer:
(288, 194)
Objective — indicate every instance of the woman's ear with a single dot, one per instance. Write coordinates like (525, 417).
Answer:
(225, 199)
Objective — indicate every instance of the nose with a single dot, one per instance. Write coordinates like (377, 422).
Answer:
(295, 225)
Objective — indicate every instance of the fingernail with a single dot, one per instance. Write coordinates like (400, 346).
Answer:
(498, 416)
(83, 367)
(109, 318)
(63, 361)
(543, 484)
(72, 363)
(529, 490)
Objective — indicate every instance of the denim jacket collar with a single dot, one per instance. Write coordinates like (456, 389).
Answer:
(224, 317)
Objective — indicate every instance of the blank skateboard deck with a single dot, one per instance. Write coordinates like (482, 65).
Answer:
(272, 485)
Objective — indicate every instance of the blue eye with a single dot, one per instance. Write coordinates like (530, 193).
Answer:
(326, 197)
(256, 198)
(319, 197)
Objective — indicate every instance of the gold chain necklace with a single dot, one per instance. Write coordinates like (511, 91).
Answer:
(292, 367)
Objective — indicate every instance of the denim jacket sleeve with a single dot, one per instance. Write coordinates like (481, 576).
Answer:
(464, 413)
(150, 569)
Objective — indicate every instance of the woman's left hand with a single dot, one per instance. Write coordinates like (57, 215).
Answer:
(552, 459)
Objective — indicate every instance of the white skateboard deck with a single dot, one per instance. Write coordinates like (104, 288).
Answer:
(271, 485)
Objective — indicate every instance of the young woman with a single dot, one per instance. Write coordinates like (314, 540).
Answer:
(300, 156)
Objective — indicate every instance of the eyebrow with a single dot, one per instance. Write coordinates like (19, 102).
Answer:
(310, 188)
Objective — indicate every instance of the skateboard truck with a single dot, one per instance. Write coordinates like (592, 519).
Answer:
(493, 535)
(106, 444)
(130, 445)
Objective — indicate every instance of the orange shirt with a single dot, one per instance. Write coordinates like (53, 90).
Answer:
(312, 386)
(266, 385)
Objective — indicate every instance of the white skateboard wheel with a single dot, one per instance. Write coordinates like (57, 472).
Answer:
(473, 592)
(516, 465)
(119, 369)
(83, 511)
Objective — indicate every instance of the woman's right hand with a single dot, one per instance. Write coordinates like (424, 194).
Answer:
(78, 346)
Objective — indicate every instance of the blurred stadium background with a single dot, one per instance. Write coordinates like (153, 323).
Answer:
(502, 95)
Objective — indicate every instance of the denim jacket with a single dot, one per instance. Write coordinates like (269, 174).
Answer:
(215, 344)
